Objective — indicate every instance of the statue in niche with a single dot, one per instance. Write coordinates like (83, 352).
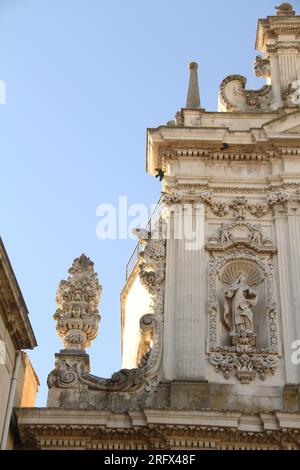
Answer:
(239, 299)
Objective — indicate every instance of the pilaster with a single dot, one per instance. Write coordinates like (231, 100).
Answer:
(285, 280)
(189, 299)
(294, 253)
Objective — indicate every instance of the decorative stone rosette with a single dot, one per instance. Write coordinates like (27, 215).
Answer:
(78, 298)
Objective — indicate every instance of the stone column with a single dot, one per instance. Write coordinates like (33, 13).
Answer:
(189, 289)
(285, 279)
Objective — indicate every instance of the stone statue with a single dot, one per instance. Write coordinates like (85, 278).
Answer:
(239, 299)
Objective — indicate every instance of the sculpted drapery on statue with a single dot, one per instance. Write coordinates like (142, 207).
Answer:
(239, 299)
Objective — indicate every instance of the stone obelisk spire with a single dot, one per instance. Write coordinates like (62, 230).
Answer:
(193, 97)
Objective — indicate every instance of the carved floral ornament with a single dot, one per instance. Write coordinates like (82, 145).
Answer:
(240, 206)
(78, 298)
(241, 261)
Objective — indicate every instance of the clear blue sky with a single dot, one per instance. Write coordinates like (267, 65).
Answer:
(84, 80)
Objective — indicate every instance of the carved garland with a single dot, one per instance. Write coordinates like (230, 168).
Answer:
(240, 205)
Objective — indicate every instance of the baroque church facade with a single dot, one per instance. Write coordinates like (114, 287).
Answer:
(210, 309)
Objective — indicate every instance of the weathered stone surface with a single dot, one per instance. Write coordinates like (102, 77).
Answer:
(209, 311)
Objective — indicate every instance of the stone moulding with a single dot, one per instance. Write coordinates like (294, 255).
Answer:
(256, 251)
(155, 436)
(192, 186)
(152, 265)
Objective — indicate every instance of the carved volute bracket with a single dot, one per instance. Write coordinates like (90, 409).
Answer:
(72, 369)
(77, 323)
(152, 266)
(234, 97)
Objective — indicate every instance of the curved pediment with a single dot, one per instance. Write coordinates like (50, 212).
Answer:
(285, 126)
(234, 97)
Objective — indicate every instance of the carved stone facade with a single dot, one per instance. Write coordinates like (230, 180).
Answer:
(210, 308)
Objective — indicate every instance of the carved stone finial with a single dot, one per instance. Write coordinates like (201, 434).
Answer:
(78, 298)
(262, 67)
(290, 97)
(193, 97)
(285, 9)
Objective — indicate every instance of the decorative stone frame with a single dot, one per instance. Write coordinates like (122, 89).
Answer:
(248, 361)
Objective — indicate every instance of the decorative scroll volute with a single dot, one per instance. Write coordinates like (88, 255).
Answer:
(78, 298)
(233, 96)
(152, 266)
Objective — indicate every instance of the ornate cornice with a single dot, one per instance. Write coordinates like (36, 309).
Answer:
(154, 436)
(245, 189)
(13, 305)
(212, 152)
